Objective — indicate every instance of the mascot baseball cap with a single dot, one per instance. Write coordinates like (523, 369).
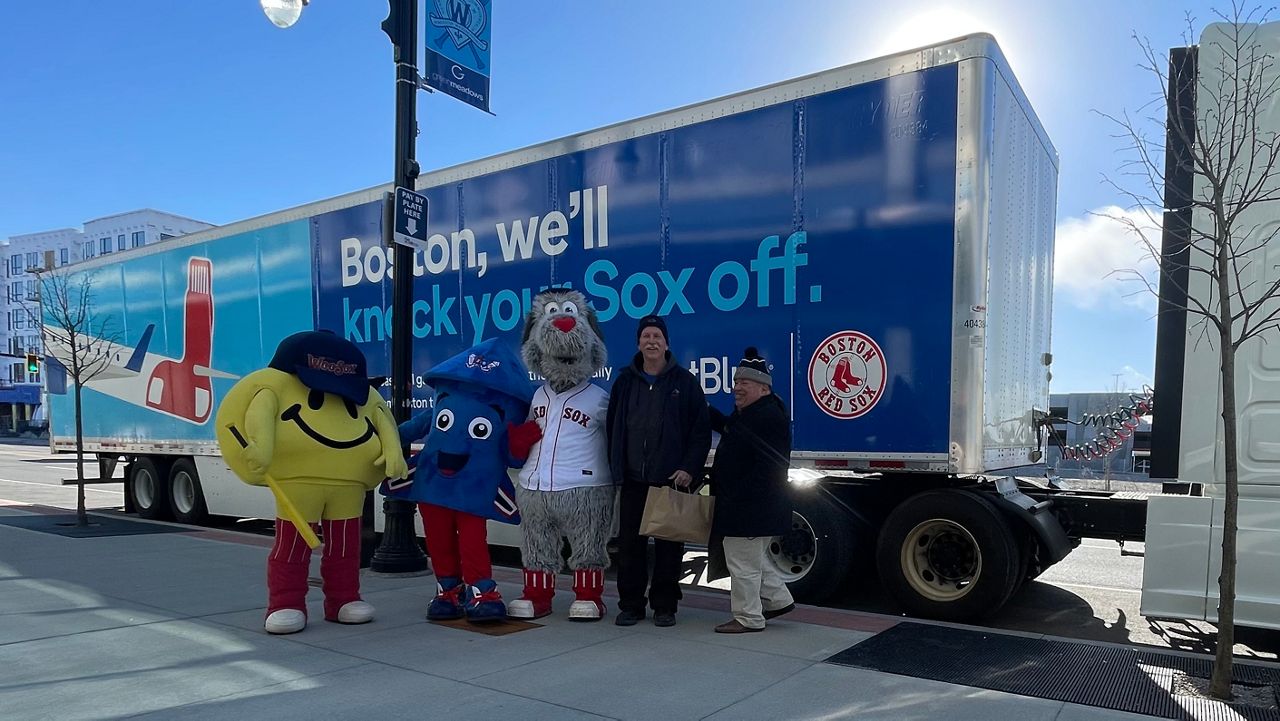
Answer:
(490, 365)
(324, 362)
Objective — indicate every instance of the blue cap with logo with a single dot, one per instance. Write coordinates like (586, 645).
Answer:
(324, 362)
(491, 365)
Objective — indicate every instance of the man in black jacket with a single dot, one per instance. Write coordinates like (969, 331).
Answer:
(659, 434)
(753, 504)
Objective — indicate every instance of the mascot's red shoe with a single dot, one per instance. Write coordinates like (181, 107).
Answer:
(588, 585)
(535, 602)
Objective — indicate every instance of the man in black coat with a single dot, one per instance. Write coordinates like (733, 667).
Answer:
(749, 480)
(659, 435)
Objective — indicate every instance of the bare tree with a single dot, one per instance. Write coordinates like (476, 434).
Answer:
(1230, 152)
(76, 338)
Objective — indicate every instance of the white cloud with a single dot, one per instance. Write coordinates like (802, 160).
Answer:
(1090, 250)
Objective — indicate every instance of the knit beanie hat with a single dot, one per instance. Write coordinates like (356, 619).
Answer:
(753, 367)
(653, 321)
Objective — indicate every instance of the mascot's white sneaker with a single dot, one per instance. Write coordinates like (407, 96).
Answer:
(520, 608)
(286, 620)
(586, 611)
(355, 612)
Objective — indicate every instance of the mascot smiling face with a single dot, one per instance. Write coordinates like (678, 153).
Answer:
(329, 421)
(562, 339)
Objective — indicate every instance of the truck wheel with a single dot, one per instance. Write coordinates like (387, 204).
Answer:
(186, 497)
(813, 558)
(150, 489)
(948, 555)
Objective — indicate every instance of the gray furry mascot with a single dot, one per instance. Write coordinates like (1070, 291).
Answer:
(565, 488)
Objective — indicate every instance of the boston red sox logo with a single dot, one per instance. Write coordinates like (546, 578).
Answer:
(847, 374)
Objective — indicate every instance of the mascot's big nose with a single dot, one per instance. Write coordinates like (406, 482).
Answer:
(565, 324)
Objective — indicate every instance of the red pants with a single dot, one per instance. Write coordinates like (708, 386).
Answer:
(457, 542)
(290, 561)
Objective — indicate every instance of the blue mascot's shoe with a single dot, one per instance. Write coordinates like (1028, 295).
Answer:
(484, 603)
(447, 605)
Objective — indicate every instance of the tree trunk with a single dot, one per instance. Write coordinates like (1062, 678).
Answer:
(82, 517)
(1220, 684)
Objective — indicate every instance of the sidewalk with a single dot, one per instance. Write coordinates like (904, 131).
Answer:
(169, 625)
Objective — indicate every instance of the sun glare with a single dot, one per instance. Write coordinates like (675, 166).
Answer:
(931, 26)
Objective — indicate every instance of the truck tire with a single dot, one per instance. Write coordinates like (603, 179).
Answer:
(815, 557)
(186, 497)
(149, 487)
(948, 555)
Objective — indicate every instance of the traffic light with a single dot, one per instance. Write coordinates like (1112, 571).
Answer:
(33, 363)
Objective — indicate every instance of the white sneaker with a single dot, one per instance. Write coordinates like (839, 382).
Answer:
(355, 612)
(286, 620)
(520, 608)
(585, 611)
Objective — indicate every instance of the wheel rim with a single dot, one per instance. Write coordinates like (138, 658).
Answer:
(184, 492)
(144, 489)
(794, 553)
(941, 560)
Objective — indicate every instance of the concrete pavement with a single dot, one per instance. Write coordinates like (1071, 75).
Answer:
(168, 625)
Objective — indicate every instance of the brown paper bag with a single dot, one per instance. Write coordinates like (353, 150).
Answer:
(677, 516)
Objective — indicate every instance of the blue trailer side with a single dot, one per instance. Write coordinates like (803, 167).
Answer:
(783, 227)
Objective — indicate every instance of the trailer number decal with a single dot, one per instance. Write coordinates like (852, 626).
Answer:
(847, 374)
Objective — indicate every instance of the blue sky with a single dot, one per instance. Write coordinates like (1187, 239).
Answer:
(207, 110)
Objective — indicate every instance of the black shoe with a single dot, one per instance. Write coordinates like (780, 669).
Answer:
(779, 611)
(628, 618)
(664, 620)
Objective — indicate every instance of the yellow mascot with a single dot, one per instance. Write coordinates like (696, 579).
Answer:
(312, 427)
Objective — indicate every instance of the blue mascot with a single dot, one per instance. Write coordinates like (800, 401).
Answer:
(460, 479)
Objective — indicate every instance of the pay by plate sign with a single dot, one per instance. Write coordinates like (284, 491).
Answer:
(410, 219)
(458, 45)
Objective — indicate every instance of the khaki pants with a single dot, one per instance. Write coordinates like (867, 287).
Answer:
(755, 583)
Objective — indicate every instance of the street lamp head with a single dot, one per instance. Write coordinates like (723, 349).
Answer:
(283, 13)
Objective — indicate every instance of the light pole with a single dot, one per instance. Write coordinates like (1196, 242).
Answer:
(399, 551)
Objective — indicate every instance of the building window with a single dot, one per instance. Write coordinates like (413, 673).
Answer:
(33, 260)
(87, 249)
(65, 255)
(139, 238)
(104, 245)
(15, 264)
(31, 290)
(120, 242)
(15, 291)
(19, 322)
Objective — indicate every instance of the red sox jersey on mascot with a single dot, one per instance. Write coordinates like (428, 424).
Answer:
(566, 490)
(572, 452)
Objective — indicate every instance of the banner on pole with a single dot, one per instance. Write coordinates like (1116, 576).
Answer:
(458, 46)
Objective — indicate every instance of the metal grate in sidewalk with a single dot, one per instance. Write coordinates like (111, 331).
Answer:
(99, 525)
(1124, 679)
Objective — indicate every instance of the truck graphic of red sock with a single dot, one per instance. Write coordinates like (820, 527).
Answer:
(178, 387)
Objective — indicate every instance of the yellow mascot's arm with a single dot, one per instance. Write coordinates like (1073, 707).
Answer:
(392, 459)
(260, 432)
